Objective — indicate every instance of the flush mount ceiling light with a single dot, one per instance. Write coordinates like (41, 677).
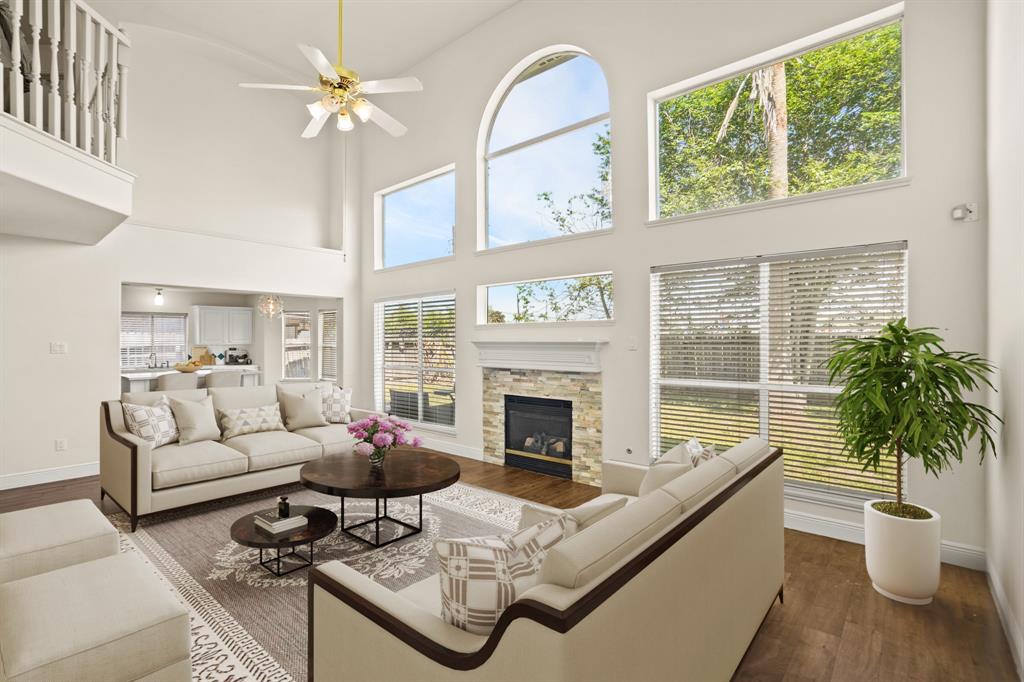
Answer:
(158, 299)
(270, 306)
(342, 91)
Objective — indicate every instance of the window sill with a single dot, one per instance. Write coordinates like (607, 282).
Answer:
(554, 324)
(483, 251)
(433, 428)
(295, 380)
(850, 501)
(903, 181)
(406, 266)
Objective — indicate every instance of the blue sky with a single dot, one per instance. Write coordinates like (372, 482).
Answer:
(503, 298)
(418, 219)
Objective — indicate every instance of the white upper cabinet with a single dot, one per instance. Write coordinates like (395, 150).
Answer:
(222, 325)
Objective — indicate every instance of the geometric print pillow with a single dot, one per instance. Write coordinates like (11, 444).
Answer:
(250, 420)
(481, 577)
(337, 403)
(153, 423)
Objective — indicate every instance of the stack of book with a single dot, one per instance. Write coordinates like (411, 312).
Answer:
(270, 522)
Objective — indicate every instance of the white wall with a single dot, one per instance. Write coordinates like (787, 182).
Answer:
(224, 176)
(643, 46)
(1005, 544)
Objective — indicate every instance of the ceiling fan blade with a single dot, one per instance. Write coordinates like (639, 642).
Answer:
(408, 84)
(275, 86)
(385, 121)
(319, 62)
(315, 125)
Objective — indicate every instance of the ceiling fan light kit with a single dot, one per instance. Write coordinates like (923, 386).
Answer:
(341, 90)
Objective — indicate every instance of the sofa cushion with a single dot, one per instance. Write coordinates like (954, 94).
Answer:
(425, 594)
(183, 463)
(152, 423)
(695, 486)
(154, 397)
(234, 397)
(661, 473)
(272, 449)
(746, 453)
(586, 555)
(335, 438)
(111, 618)
(586, 514)
(250, 420)
(46, 538)
(302, 410)
(196, 420)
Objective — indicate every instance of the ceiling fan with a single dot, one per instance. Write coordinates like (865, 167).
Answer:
(341, 91)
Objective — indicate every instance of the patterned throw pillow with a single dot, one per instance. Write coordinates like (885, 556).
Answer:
(250, 420)
(337, 403)
(699, 453)
(153, 423)
(481, 577)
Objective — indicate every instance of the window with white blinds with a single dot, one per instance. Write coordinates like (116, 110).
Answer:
(328, 339)
(737, 350)
(149, 336)
(296, 347)
(414, 359)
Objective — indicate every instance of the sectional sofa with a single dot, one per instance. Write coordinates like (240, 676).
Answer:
(143, 480)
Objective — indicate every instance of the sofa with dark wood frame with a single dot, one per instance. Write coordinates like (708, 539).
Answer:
(684, 605)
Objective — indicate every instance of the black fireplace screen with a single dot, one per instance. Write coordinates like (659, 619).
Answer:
(538, 434)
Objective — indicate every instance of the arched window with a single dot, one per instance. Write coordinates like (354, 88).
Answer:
(546, 151)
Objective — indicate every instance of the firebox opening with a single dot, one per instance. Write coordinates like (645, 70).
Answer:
(538, 435)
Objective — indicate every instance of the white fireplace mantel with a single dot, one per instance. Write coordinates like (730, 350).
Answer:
(558, 356)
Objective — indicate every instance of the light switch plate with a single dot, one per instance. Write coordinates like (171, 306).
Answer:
(60, 445)
(58, 348)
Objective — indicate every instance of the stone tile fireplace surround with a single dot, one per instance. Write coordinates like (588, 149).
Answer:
(562, 371)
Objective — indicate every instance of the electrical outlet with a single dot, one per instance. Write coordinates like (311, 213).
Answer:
(58, 348)
(60, 445)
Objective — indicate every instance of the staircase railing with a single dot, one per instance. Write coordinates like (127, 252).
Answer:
(61, 71)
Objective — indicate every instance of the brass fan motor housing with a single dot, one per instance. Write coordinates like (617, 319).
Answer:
(345, 88)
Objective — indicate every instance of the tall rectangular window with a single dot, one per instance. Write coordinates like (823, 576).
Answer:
(327, 333)
(296, 346)
(811, 121)
(414, 359)
(566, 299)
(737, 350)
(416, 220)
(149, 337)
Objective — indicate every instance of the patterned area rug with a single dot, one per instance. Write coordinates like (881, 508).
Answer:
(250, 625)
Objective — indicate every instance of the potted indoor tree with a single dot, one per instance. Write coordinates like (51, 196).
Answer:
(902, 399)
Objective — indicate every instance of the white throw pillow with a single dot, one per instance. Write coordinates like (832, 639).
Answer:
(302, 411)
(659, 474)
(152, 423)
(337, 404)
(196, 420)
(245, 420)
(481, 577)
(578, 518)
(677, 454)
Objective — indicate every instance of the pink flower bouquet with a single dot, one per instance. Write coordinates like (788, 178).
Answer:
(378, 434)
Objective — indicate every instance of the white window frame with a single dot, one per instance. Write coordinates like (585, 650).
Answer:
(876, 19)
(378, 356)
(483, 155)
(798, 490)
(284, 346)
(320, 343)
(481, 303)
(378, 218)
(152, 335)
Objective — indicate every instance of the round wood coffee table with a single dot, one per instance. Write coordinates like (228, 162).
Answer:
(320, 523)
(407, 471)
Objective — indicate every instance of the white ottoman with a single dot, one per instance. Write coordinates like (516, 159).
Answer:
(41, 539)
(110, 619)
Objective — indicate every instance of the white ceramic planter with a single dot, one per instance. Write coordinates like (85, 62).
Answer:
(902, 554)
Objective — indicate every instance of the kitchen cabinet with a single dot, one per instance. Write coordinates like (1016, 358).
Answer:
(222, 325)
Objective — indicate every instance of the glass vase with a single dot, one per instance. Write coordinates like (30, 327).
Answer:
(377, 457)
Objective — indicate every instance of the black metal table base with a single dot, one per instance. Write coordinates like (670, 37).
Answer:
(304, 561)
(377, 518)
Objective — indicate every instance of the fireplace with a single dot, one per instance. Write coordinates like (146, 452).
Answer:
(538, 435)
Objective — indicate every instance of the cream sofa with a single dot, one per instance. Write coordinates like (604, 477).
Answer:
(143, 480)
(672, 586)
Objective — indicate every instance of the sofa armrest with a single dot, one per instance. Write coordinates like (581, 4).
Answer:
(622, 478)
(122, 455)
(358, 413)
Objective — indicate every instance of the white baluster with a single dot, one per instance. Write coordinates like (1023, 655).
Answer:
(101, 63)
(70, 46)
(122, 101)
(111, 100)
(53, 30)
(17, 77)
(35, 87)
(85, 86)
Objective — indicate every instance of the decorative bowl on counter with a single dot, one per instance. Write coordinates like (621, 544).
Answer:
(188, 366)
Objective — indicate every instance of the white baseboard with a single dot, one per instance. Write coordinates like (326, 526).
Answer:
(20, 480)
(1014, 634)
(956, 553)
(452, 448)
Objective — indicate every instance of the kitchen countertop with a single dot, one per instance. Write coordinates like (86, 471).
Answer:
(154, 373)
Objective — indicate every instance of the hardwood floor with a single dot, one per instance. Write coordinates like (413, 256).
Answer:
(833, 625)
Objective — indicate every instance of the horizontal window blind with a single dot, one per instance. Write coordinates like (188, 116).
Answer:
(296, 346)
(328, 334)
(144, 335)
(738, 350)
(414, 359)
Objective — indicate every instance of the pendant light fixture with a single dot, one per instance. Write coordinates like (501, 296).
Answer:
(270, 306)
(158, 299)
